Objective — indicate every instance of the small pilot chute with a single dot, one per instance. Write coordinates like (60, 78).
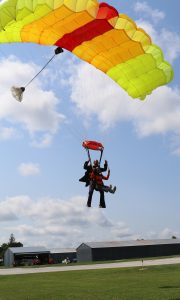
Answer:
(17, 92)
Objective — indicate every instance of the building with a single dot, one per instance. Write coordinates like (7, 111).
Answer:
(58, 255)
(98, 251)
(17, 256)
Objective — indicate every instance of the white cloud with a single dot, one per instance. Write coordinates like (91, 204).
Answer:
(168, 233)
(29, 169)
(155, 14)
(167, 40)
(99, 96)
(38, 112)
(161, 114)
(175, 145)
(57, 223)
(8, 133)
(165, 233)
(43, 142)
(170, 43)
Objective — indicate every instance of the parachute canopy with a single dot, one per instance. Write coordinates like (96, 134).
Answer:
(92, 145)
(94, 32)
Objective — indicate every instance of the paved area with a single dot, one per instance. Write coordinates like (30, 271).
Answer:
(115, 265)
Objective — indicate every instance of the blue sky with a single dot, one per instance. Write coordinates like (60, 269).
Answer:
(41, 199)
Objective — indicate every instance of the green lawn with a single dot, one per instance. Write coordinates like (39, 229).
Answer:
(160, 283)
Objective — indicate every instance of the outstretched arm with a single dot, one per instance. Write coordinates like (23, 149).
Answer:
(106, 177)
(86, 165)
(105, 166)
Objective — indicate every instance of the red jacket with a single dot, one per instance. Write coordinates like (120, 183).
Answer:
(98, 178)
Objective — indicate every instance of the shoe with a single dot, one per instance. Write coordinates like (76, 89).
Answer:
(114, 189)
(87, 205)
(101, 206)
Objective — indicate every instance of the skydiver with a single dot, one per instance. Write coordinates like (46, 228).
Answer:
(96, 183)
(98, 178)
(88, 167)
(86, 177)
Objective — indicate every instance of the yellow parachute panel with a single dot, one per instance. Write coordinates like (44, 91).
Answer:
(96, 33)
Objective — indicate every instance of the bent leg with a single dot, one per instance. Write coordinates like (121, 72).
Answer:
(103, 188)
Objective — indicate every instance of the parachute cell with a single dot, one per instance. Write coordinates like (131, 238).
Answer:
(94, 32)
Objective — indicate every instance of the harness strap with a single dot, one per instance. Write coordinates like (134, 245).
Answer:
(100, 157)
(88, 153)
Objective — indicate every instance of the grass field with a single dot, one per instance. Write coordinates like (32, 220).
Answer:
(160, 283)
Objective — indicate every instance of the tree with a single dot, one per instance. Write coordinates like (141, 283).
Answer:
(12, 243)
(12, 240)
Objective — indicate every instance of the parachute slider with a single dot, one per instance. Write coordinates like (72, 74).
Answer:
(93, 145)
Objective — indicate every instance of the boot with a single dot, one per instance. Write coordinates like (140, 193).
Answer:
(112, 191)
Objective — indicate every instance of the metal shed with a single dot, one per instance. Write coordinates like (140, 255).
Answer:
(59, 254)
(16, 256)
(116, 250)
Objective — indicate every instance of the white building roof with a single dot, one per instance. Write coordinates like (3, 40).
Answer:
(22, 250)
(62, 250)
(131, 243)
